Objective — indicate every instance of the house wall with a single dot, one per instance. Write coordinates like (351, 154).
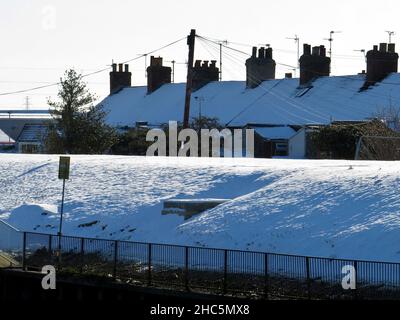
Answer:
(263, 148)
(298, 145)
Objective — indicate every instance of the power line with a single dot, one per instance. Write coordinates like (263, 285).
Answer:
(286, 65)
(91, 73)
(315, 113)
(297, 42)
(242, 52)
(285, 99)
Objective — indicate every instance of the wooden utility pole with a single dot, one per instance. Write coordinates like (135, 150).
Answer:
(189, 81)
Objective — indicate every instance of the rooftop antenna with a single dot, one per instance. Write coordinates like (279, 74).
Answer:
(330, 39)
(221, 44)
(173, 70)
(363, 52)
(297, 41)
(145, 62)
(27, 102)
(173, 62)
(391, 34)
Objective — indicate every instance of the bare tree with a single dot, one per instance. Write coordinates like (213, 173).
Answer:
(390, 115)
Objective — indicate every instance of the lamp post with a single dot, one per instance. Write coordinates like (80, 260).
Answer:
(200, 100)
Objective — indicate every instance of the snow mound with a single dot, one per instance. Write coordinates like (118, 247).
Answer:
(43, 217)
(344, 209)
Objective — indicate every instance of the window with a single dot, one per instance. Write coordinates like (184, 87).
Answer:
(302, 92)
(281, 149)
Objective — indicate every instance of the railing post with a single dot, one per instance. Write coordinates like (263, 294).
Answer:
(115, 259)
(308, 277)
(356, 284)
(225, 287)
(59, 253)
(49, 250)
(187, 268)
(149, 265)
(82, 258)
(24, 251)
(50, 244)
(266, 276)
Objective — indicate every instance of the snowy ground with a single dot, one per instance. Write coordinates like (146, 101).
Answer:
(321, 208)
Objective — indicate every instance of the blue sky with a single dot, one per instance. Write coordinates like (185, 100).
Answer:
(40, 39)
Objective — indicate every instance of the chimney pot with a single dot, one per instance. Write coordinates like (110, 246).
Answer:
(268, 53)
(306, 49)
(156, 61)
(254, 52)
(119, 79)
(322, 51)
(157, 74)
(261, 53)
(383, 47)
(204, 72)
(380, 63)
(315, 65)
(260, 69)
(315, 51)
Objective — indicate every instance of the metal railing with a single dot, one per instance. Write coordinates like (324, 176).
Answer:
(10, 246)
(221, 271)
(212, 270)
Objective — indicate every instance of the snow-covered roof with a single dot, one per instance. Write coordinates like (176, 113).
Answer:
(5, 139)
(273, 102)
(275, 132)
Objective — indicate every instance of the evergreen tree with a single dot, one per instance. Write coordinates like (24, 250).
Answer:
(79, 126)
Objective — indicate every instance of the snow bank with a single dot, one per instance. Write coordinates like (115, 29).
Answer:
(321, 208)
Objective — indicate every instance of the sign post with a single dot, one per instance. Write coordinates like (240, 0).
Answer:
(63, 173)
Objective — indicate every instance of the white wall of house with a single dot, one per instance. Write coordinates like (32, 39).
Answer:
(297, 145)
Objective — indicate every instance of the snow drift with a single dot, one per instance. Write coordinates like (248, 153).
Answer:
(342, 209)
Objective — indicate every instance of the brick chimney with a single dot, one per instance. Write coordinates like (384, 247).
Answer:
(157, 74)
(120, 78)
(314, 64)
(203, 73)
(380, 63)
(260, 68)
